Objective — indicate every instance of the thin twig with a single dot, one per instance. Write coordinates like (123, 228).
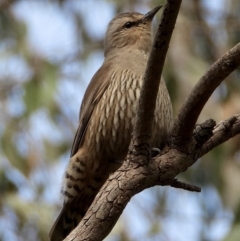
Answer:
(185, 186)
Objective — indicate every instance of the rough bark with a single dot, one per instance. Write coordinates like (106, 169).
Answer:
(186, 143)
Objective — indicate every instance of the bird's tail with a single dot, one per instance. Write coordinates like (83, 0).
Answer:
(74, 209)
(69, 217)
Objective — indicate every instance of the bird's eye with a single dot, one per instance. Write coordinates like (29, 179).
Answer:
(128, 25)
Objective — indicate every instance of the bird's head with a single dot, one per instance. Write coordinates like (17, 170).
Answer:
(130, 30)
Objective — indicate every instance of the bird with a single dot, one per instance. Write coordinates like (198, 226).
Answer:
(107, 116)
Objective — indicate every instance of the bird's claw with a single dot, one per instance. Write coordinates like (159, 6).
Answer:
(155, 151)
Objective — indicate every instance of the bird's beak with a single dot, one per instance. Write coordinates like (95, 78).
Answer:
(149, 16)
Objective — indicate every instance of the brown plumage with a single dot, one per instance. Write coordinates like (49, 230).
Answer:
(107, 116)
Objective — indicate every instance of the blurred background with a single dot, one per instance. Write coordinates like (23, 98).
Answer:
(49, 51)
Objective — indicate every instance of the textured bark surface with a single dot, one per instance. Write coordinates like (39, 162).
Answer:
(183, 147)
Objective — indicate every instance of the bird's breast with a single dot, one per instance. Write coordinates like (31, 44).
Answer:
(110, 128)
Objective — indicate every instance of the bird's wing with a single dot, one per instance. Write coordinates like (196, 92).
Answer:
(93, 94)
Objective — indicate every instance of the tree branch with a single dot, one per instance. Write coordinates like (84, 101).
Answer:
(144, 119)
(130, 179)
(133, 177)
(191, 109)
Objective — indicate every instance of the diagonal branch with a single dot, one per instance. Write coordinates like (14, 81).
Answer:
(130, 179)
(191, 109)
